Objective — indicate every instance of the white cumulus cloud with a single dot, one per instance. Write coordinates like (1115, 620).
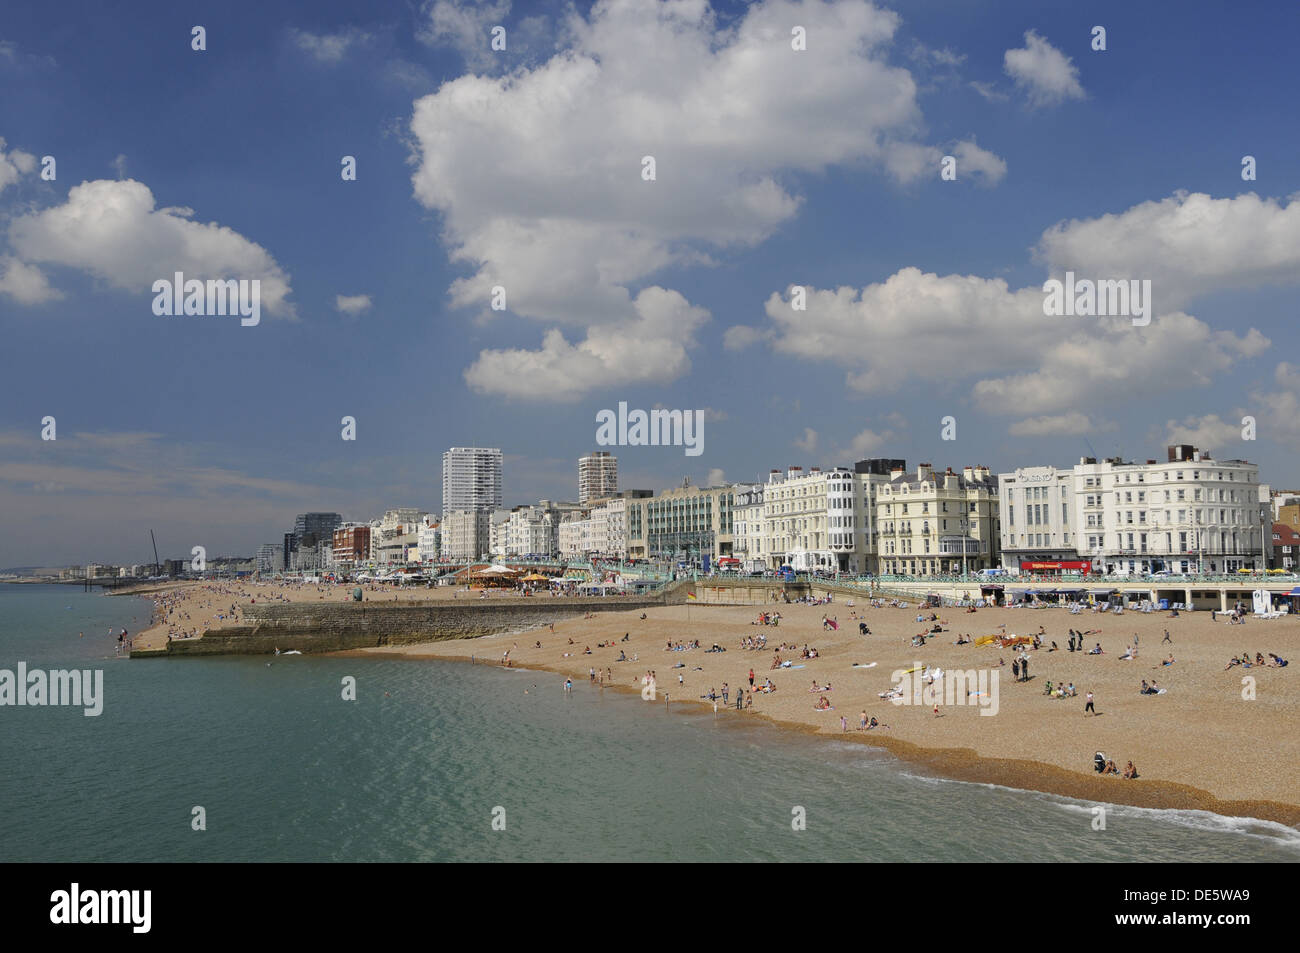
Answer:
(14, 163)
(25, 283)
(649, 346)
(1187, 244)
(537, 173)
(1208, 432)
(1044, 73)
(114, 231)
(1010, 354)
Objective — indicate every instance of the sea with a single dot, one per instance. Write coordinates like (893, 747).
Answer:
(266, 759)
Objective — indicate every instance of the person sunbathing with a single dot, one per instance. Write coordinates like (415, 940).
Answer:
(1130, 772)
(1259, 659)
(1097, 650)
(823, 704)
(876, 724)
(1170, 660)
(1110, 768)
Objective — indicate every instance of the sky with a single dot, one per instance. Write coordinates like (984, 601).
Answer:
(918, 169)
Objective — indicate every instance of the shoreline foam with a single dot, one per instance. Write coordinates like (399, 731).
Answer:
(955, 764)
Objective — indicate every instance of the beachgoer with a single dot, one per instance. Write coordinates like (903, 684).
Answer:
(1089, 707)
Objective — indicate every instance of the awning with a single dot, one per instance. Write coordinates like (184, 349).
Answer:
(988, 588)
(1294, 592)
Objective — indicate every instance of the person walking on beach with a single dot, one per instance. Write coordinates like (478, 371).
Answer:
(1089, 707)
(1166, 638)
(1015, 669)
(568, 686)
(1024, 668)
(724, 694)
(751, 679)
(740, 698)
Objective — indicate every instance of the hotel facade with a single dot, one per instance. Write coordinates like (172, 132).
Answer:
(938, 522)
(1189, 514)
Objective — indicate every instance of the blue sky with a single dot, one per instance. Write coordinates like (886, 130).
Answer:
(522, 167)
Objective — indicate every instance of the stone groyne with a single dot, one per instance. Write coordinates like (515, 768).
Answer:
(335, 626)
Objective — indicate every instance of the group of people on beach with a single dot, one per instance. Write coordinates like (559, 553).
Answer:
(1103, 765)
(1059, 690)
(1273, 661)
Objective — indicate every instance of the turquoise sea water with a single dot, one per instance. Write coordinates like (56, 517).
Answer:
(414, 768)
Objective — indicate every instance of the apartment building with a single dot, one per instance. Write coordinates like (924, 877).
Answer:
(597, 476)
(938, 522)
(686, 523)
(1191, 513)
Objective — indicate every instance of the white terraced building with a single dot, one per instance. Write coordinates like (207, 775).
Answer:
(938, 522)
(1189, 514)
(822, 519)
(747, 542)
